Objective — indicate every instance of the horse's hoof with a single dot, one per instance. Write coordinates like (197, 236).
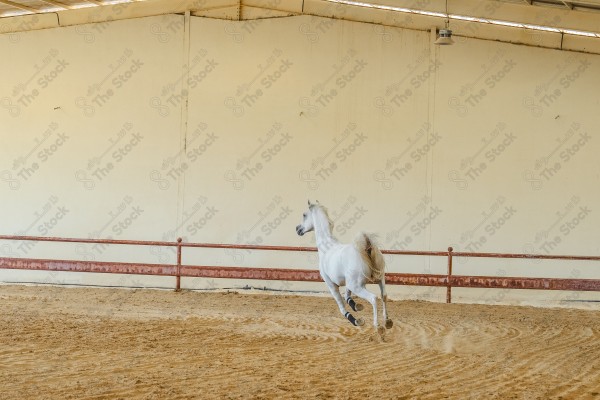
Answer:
(360, 322)
(358, 307)
(389, 323)
(380, 330)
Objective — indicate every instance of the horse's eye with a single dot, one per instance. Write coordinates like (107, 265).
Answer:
(304, 215)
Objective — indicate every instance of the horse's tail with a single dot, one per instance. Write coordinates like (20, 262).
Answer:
(371, 255)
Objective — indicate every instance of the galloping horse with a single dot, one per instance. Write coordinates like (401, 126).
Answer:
(347, 264)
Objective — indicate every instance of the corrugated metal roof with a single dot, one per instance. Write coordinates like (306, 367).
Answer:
(561, 24)
(23, 7)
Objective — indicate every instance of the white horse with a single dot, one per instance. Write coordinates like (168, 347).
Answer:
(352, 265)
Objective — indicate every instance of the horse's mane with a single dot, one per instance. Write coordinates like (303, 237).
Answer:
(325, 212)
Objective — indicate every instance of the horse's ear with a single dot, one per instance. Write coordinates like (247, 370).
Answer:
(309, 203)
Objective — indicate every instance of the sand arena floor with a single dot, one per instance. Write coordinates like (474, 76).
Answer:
(62, 343)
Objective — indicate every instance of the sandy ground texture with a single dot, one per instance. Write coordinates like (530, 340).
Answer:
(82, 343)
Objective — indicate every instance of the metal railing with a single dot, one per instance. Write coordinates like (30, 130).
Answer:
(179, 270)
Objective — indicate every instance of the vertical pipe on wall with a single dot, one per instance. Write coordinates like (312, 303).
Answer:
(431, 129)
(184, 115)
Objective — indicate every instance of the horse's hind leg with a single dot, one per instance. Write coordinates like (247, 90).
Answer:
(351, 302)
(362, 292)
(335, 292)
(388, 322)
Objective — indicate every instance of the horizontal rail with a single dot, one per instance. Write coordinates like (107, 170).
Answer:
(415, 253)
(494, 282)
(200, 245)
(88, 266)
(305, 275)
(291, 248)
(94, 241)
(267, 274)
(247, 247)
(527, 256)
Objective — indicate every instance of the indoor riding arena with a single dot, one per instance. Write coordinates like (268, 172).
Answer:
(196, 193)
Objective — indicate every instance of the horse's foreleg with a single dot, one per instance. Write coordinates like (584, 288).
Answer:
(388, 322)
(335, 292)
(351, 302)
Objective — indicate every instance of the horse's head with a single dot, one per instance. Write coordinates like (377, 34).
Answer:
(308, 223)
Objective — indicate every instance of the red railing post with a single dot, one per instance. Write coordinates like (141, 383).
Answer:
(178, 276)
(449, 287)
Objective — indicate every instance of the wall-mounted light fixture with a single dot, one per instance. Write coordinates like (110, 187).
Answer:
(445, 35)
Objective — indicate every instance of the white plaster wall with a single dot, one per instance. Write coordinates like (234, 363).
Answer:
(482, 146)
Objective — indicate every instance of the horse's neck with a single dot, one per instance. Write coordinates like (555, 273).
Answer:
(323, 235)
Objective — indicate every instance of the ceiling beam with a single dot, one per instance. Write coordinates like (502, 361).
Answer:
(567, 4)
(58, 4)
(19, 6)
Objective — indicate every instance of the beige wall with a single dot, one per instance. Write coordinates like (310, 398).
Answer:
(482, 146)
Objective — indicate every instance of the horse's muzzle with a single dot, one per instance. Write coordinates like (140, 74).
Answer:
(300, 230)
